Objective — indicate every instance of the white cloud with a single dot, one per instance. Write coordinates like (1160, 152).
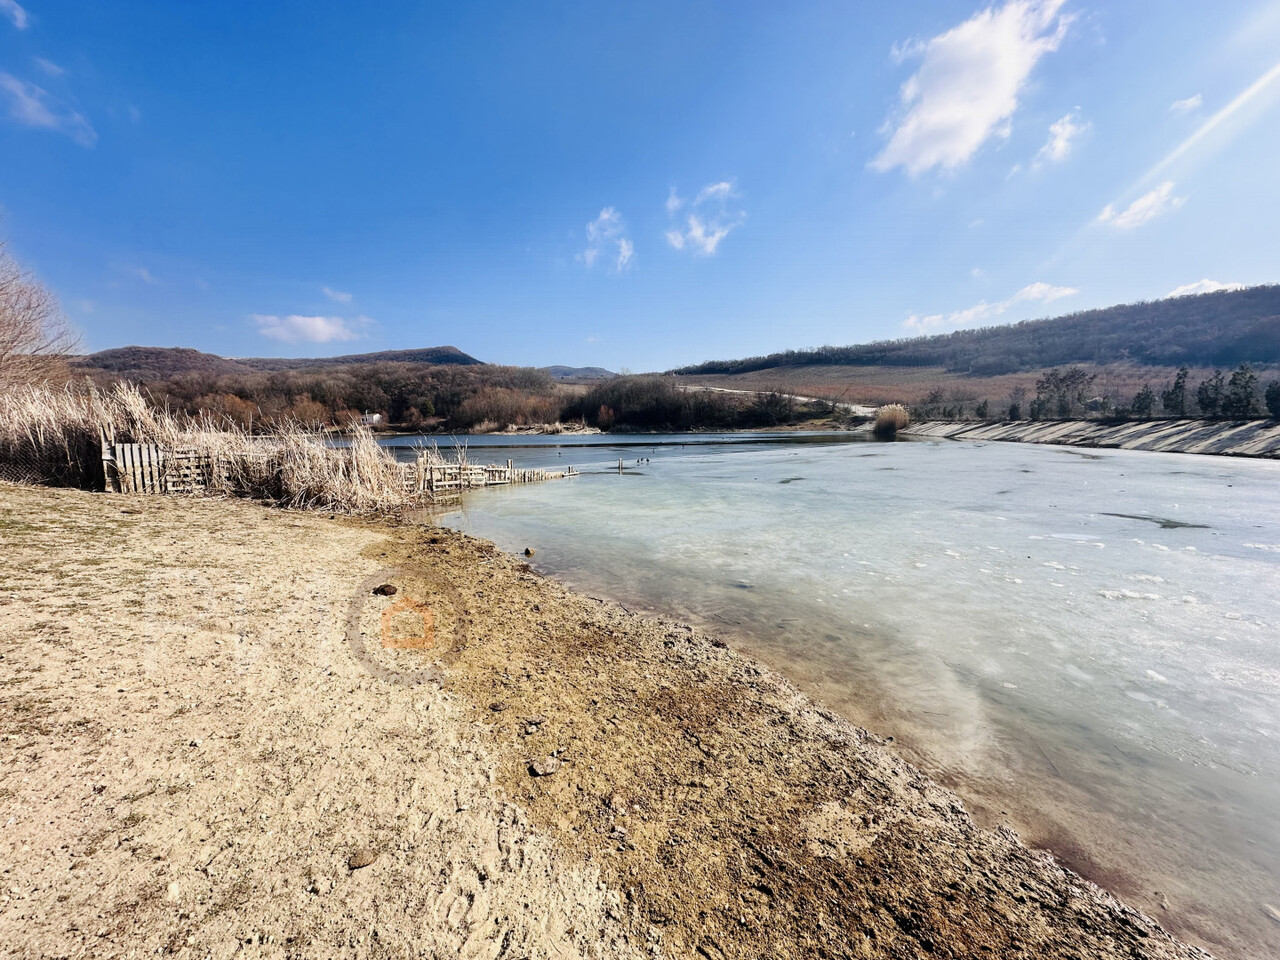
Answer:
(712, 216)
(605, 231)
(14, 12)
(1038, 292)
(337, 296)
(33, 106)
(296, 329)
(1149, 205)
(967, 87)
(1062, 133)
(1188, 105)
(1201, 286)
(143, 274)
(674, 202)
(49, 67)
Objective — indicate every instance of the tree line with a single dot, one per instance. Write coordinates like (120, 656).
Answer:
(1072, 393)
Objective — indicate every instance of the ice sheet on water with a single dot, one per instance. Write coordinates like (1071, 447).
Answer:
(1077, 664)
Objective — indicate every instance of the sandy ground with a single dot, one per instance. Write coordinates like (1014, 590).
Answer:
(215, 740)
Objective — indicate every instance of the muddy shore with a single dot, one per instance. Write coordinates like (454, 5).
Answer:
(216, 740)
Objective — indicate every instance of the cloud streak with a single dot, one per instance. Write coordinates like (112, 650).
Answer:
(337, 296)
(299, 329)
(34, 106)
(1189, 105)
(1246, 96)
(13, 10)
(967, 87)
(984, 312)
(1146, 207)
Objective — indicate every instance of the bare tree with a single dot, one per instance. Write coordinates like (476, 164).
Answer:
(35, 338)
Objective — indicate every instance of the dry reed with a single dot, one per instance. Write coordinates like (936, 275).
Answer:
(52, 436)
(891, 418)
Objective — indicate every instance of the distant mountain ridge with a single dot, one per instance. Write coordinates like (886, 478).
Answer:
(161, 363)
(561, 372)
(1224, 329)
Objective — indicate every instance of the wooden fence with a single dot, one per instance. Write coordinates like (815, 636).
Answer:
(433, 479)
(148, 468)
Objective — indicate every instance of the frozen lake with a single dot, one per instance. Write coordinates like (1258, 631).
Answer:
(1085, 644)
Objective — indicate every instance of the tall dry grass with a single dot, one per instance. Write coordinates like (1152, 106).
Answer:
(52, 436)
(891, 418)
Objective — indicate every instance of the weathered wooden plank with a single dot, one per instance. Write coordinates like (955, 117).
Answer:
(126, 451)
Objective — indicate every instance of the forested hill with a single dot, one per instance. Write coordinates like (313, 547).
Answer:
(1213, 329)
(161, 363)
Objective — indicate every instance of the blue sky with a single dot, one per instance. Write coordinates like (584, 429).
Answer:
(628, 185)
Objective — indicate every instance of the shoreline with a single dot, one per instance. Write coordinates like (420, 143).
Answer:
(187, 715)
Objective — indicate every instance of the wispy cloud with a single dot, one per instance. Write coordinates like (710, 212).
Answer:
(299, 329)
(337, 296)
(1146, 207)
(14, 11)
(608, 232)
(48, 67)
(984, 312)
(713, 215)
(1201, 286)
(968, 85)
(1062, 136)
(625, 250)
(674, 203)
(143, 274)
(33, 106)
(1189, 105)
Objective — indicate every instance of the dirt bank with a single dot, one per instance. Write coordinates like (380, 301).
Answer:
(210, 724)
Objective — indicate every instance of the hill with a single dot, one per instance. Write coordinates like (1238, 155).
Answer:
(559, 372)
(438, 356)
(1210, 330)
(161, 363)
(156, 363)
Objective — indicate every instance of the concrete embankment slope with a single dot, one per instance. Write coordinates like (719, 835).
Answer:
(1236, 438)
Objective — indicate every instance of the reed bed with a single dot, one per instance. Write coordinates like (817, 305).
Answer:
(53, 436)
